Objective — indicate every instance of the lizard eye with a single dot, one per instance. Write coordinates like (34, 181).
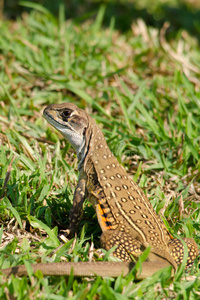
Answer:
(66, 113)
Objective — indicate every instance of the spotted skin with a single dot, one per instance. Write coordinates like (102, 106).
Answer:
(125, 215)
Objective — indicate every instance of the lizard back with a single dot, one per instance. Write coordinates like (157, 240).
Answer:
(119, 200)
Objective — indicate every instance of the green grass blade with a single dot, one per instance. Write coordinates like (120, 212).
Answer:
(13, 210)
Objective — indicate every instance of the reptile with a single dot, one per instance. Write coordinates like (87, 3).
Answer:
(126, 217)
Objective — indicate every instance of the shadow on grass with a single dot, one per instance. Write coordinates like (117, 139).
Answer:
(184, 16)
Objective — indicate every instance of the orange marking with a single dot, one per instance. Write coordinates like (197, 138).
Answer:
(102, 219)
(104, 222)
(171, 236)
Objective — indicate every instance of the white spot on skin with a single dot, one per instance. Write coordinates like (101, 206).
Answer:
(113, 194)
(125, 187)
(108, 185)
(138, 221)
(123, 200)
(144, 216)
(137, 207)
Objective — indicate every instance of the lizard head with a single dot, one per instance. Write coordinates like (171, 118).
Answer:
(71, 122)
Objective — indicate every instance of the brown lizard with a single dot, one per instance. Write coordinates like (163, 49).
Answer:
(126, 217)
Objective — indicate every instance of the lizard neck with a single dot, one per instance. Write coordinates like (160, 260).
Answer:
(94, 146)
(87, 145)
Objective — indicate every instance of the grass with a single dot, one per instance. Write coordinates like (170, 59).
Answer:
(142, 87)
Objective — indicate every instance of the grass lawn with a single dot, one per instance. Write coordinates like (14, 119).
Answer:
(142, 86)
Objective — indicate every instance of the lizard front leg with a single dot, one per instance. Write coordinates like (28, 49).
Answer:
(76, 211)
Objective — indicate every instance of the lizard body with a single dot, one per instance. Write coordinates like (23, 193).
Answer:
(126, 217)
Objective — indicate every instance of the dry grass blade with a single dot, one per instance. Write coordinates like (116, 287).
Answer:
(179, 57)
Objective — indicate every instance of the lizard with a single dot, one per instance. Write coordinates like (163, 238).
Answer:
(126, 216)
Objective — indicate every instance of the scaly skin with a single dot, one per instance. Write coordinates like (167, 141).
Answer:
(127, 219)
